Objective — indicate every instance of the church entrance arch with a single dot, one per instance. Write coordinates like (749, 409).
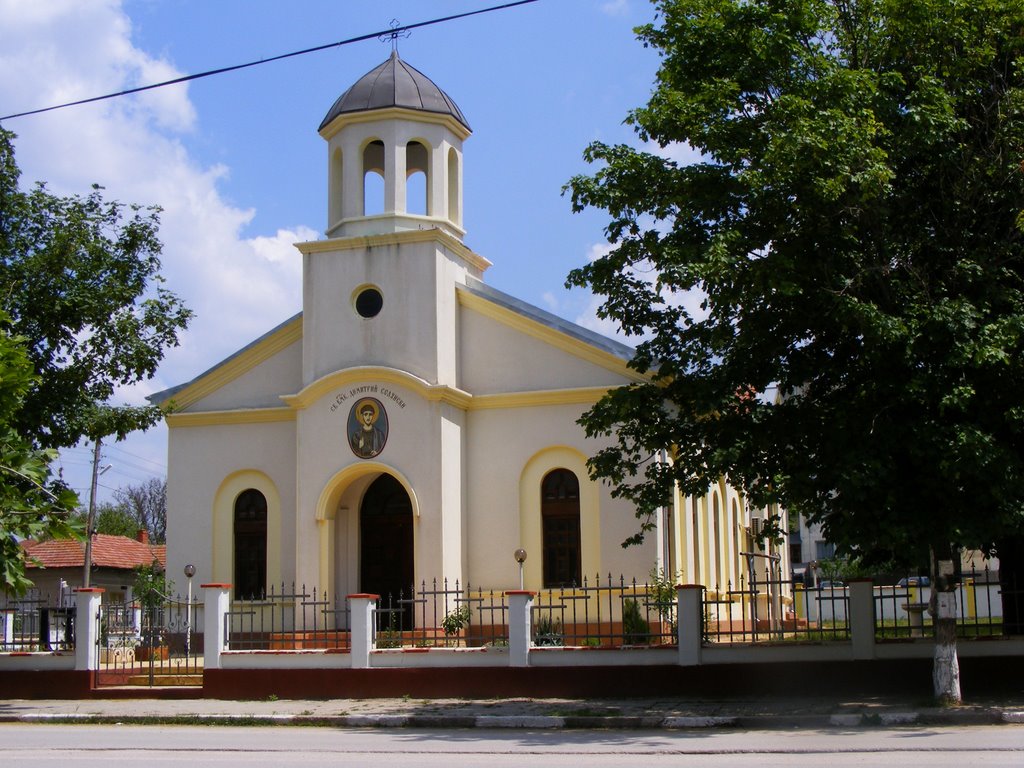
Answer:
(386, 549)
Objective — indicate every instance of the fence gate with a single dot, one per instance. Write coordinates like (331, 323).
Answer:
(149, 645)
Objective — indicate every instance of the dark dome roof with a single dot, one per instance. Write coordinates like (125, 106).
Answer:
(394, 84)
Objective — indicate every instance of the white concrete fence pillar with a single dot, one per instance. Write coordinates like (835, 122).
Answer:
(216, 604)
(690, 623)
(361, 609)
(862, 618)
(520, 626)
(87, 628)
(7, 618)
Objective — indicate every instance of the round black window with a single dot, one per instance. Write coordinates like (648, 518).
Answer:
(369, 302)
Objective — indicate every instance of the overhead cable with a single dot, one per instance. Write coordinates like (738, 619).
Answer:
(389, 32)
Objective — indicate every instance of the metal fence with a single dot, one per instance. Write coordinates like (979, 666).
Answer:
(442, 615)
(288, 620)
(606, 613)
(36, 623)
(598, 613)
(902, 610)
(765, 607)
(150, 643)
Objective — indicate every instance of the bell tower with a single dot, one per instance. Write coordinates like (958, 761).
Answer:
(380, 289)
(394, 155)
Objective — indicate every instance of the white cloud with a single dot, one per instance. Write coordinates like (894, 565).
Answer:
(64, 50)
(615, 7)
(681, 153)
(551, 301)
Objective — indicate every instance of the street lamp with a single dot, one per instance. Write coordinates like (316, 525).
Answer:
(520, 556)
(190, 571)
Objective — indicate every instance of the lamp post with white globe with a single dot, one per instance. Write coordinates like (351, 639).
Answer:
(190, 571)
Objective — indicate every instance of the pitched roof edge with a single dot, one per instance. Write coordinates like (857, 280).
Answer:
(592, 338)
(165, 396)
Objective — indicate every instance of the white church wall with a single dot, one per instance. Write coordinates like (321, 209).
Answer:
(423, 449)
(205, 459)
(260, 386)
(509, 451)
(403, 335)
(495, 358)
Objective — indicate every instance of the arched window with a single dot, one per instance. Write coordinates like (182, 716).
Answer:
(417, 198)
(454, 214)
(334, 195)
(373, 178)
(560, 515)
(250, 532)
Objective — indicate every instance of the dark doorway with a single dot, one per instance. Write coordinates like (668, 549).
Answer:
(386, 551)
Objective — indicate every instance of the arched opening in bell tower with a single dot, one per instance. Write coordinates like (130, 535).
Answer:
(373, 178)
(417, 180)
(454, 212)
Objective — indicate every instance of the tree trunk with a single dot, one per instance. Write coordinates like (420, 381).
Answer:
(942, 606)
(946, 666)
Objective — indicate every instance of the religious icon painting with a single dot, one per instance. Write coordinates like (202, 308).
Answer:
(367, 427)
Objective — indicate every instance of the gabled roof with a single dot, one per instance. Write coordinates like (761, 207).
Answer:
(258, 350)
(289, 331)
(107, 552)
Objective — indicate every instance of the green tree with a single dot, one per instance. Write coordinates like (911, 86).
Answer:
(853, 232)
(114, 520)
(146, 503)
(80, 280)
(32, 505)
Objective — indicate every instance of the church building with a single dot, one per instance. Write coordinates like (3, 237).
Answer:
(413, 423)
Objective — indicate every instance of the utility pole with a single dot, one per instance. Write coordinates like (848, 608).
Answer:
(91, 518)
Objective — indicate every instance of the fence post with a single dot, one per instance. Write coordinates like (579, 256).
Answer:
(520, 626)
(690, 623)
(87, 628)
(216, 604)
(7, 617)
(862, 618)
(361, 607)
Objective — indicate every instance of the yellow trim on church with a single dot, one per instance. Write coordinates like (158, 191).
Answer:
(531, 399)
(433, 234)
(431, 392)
(375, 115)
(238, 365)
(218, 418)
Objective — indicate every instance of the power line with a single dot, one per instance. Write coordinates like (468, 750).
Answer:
(389, 32)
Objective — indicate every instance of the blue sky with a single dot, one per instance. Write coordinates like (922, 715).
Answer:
(237, 165)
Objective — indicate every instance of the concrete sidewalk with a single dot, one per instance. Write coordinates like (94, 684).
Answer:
(518, 713)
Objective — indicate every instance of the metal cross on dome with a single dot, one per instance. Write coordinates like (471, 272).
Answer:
(396, 32)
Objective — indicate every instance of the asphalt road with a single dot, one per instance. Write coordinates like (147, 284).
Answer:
(109, 746)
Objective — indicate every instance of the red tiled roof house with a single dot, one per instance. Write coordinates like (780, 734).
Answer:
(114, 560)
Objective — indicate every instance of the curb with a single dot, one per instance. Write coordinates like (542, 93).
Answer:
(544, 722)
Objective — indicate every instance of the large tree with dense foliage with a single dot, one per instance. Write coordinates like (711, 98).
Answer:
(32, 506)
(83, 311)
(854, 226)
(80, 280)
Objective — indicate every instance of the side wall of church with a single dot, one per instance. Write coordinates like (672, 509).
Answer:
(212, 466)
(510, 450)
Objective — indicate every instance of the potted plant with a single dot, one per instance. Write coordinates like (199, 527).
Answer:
(455, 621)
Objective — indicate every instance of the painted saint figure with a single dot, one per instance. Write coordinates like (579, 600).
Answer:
(368, 425)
